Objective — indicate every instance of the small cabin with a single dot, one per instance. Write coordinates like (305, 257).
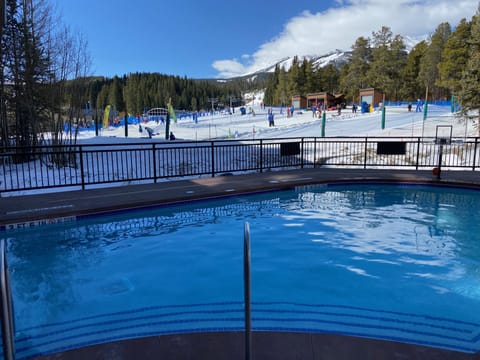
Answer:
(299, 102)
(323, 99)
(371, 96)
(340, 100)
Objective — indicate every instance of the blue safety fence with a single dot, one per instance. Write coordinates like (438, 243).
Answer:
(90, 125)
(430, 102)
(442, 103)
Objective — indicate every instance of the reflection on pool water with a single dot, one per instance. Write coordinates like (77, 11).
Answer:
(391, 262)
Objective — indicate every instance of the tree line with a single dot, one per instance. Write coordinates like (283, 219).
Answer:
(135, 93)
(446, 64)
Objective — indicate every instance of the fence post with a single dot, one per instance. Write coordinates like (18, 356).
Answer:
(82, 172)
(261, 155)
(365, 153)
(154, 159)
(213, 158)
(418, 153)
(302, 157)
(440, 156)
(314, 152)
(324, 120)
(475, 153)
(383, 117)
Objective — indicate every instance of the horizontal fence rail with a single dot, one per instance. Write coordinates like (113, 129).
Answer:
(81, 166)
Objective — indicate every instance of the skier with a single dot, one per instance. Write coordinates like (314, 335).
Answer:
(271, 121)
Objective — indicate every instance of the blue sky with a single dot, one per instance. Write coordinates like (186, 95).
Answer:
(213, 38)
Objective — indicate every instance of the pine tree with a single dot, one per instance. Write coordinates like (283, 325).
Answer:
(429, 74)
(398, 57)
(329, 78)
(25, 65)
(454, 57)
(353, 76)
(388, 58)
(469, 98)
(115, 95)
(411, 88)
(281, 93)
(272, 83)
(308, 76)
(293, 83)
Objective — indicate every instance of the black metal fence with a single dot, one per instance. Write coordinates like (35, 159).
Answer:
(82, 166)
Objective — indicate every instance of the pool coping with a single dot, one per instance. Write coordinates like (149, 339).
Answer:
(265, 345)
(38, 209)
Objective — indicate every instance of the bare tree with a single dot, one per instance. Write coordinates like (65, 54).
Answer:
(69, 72)
(43, 72)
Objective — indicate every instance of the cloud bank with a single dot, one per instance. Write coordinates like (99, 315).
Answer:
(339, 27)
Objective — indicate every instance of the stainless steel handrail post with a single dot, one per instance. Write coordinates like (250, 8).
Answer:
(246, 278)
(8, 327)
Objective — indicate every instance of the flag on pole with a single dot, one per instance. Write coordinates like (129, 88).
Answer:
(171, 111)
(106, 115)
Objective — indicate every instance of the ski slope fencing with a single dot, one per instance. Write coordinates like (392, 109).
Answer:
(87, 166)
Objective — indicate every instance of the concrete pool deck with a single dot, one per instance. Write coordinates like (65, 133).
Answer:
(30, 209)
(34, 209)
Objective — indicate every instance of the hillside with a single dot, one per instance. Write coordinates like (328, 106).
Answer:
(337, 57)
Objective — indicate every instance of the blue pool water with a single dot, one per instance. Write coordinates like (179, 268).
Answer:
(391, 262)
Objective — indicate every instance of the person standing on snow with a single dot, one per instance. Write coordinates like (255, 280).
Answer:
(271, 121)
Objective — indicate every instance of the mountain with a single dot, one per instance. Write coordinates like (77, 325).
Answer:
(337, 57)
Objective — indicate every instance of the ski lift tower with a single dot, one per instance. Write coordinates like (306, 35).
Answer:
(214, 101)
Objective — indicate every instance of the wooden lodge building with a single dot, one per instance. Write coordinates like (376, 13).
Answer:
(317, 99)
(299, 102)
(370, 96)
(322, 98)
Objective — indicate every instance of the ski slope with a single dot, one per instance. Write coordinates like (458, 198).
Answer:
(218, 126)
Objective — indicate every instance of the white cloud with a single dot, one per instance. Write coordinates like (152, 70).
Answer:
(229, 68)
(340, 26)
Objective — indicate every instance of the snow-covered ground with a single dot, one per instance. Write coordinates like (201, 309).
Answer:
(398, 123)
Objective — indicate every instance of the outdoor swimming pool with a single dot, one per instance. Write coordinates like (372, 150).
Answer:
(392, 262)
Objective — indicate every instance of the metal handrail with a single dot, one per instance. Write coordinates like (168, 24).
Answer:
(8, 326)
(247, 287)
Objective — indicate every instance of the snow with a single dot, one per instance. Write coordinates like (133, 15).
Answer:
(221, 125)
(254, 125)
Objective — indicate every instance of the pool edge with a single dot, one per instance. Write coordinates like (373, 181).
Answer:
(33, 210)
(265, 346)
